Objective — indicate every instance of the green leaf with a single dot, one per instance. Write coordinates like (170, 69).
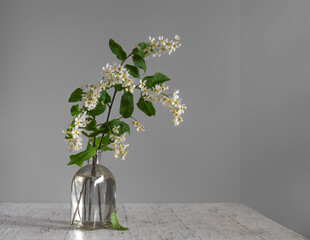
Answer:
(79, 158)
(115, 223)
(140, 51)
(117, 50)
(75, 110)
(85, 134)
(124, 127)
(99, 109)
(94, 133)
(107, 128)
(104, 128)
(106, 140)
(105, 97)
(127, 105)
(76, 95)
(92, 125)
(139, 62)
(133, 71)
(106, 148)
(97, 141)
(146, 107)
(144, 45)
(157, 78)
(118, 87)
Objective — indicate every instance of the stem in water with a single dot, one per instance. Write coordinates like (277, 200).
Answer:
(74, 215)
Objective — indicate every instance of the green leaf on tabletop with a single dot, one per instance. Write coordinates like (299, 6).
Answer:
(133, 71)
(139, 62)
(157, 78)
(116, 225)
(75, 110)
(117, 50)
(118, 87)
(76, 95)
(127, 105)
(92, 125)
(99, 109)
(105, 97)
(79, 158)
(146, 107)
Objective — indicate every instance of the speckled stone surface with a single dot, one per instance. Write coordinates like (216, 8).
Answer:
(212, 221)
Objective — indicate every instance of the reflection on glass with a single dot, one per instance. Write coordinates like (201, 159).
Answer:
(93, 195)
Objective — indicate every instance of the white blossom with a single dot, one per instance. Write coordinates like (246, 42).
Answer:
(173, 102)
(86, 88)
(176, 95)
(162, 46)
(142, 84)
(139, 126)
(116, 129)
(73, 133)
(119, 146)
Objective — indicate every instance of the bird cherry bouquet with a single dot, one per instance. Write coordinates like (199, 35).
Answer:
(125, 80)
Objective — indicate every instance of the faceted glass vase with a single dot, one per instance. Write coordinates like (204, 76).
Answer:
(93, 195)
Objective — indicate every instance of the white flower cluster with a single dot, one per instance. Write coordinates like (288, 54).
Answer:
(73, 134)
(176, 107)
(118, 144)
(90, 95)
(158, 94)
(114, 74)
(157, 48)
(139, 126)
(117, 74)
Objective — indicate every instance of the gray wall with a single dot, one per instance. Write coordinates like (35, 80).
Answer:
(275, 130)
(49, 48)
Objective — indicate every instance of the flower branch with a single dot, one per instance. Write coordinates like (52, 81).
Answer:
(120, 78)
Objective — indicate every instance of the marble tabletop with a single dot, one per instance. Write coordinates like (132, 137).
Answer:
(50, 221)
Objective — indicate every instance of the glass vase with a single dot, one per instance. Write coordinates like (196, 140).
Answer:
(93, 195)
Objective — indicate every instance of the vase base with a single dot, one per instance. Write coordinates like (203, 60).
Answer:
(90, 225)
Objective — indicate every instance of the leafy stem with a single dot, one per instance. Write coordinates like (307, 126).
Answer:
(134, 118)
(110, 106)
(126, 59)
(94, 137)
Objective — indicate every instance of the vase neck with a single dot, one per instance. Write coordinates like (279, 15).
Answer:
(97, 159)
